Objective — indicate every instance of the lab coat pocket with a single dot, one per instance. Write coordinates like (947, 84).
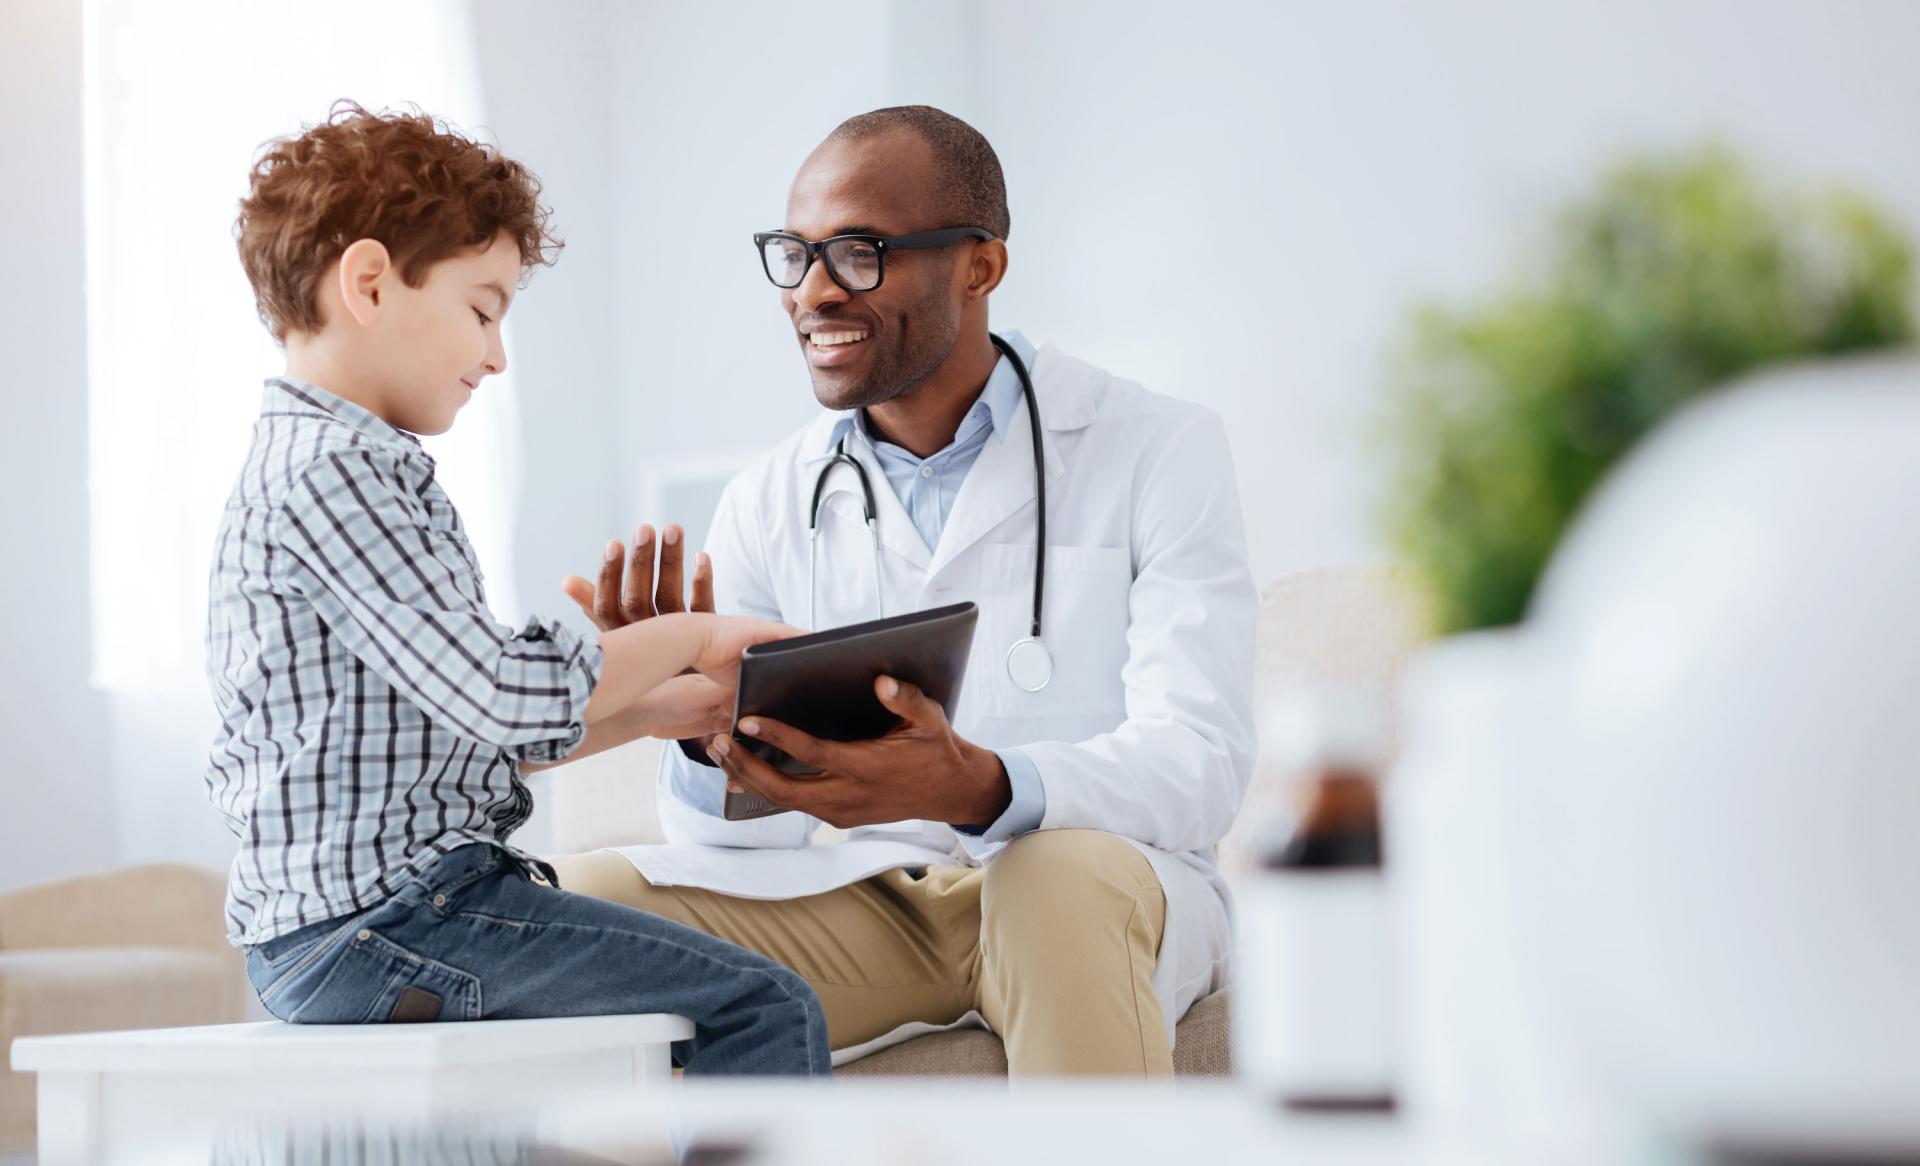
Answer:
(1084, 626)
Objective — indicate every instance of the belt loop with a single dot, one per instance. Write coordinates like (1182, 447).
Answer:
(548, 873)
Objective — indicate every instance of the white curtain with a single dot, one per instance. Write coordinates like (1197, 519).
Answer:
(179, 98)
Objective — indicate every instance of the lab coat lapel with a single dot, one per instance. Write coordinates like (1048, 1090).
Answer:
(1001, 481)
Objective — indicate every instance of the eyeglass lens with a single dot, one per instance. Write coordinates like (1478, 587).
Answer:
(855, 262)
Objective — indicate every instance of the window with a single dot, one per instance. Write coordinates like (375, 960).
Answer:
(176, 104)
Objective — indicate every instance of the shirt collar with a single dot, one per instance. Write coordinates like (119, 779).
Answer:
(1001, 396)
(280, 389)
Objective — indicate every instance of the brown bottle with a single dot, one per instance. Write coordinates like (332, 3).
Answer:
(1312, 995)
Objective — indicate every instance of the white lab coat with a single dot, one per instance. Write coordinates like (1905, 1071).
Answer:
(1146, 730)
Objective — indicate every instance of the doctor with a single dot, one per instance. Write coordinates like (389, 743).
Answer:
(1042, 861)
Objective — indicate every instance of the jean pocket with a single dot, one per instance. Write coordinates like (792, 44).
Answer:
(370, 979)
(274, 964)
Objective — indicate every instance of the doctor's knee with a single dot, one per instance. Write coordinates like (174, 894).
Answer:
(1051, 880)
(604, 874)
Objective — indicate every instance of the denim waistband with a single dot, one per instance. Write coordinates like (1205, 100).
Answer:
(443, 874)
(451, 871)
(271, 948)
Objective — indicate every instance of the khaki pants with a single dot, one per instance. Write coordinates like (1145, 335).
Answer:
(1054, 943)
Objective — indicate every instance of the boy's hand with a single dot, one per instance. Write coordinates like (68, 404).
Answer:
(730, 635)
(630, 592)
(686, 706)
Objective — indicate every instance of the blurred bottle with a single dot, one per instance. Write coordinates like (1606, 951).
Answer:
(1311, 995)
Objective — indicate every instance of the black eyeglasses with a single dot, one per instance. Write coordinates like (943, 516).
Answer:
(856, 262)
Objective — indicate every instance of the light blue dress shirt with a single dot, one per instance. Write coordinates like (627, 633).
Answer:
(927, 488)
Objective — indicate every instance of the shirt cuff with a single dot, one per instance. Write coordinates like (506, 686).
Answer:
(580, 659)
(1028, 808)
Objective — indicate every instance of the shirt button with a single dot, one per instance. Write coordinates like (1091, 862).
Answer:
(926, 471)
(439, 900)
(364, 936)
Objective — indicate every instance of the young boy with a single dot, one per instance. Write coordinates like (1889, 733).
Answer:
(376, 718)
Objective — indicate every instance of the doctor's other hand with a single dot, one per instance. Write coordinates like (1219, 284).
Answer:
(630, 590)
(920, 769)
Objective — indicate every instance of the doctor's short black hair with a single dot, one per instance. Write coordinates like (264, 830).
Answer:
(972, 188)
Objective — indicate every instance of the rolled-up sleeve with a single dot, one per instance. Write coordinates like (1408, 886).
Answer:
(404, 598)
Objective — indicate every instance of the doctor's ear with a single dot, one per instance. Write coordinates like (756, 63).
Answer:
(365, 269)
(986, 268)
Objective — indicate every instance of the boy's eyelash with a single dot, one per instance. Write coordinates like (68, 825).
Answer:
(484, 318)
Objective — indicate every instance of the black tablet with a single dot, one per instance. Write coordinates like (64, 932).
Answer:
(822, 684)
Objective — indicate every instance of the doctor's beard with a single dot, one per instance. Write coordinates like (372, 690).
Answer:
(907, 350)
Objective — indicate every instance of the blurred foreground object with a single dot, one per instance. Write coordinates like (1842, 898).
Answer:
(1720, 791)
(1676, 276)
(1314, 1022)
(142, 947)
(1654, 871)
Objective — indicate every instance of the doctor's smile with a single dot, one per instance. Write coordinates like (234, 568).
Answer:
(834, 345)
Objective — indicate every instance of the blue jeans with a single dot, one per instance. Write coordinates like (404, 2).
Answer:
(473, 938)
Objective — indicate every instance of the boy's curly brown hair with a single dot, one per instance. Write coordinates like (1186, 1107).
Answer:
(403, 178)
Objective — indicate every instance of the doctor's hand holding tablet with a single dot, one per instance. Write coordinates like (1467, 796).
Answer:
(892, 758)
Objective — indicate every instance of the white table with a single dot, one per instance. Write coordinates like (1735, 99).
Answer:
(97, 1087)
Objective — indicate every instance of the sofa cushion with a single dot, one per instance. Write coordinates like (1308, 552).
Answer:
(158, 905)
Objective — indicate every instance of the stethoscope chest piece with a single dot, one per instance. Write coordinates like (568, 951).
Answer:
(1029, 665)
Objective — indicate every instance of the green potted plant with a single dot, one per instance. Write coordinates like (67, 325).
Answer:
(1675, 276)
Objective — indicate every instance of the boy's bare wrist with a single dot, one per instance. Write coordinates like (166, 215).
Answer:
(703, 632)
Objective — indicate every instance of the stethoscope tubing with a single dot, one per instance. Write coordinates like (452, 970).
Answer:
(870, 512)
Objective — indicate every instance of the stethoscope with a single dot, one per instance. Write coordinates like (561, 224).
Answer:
(1029, 663)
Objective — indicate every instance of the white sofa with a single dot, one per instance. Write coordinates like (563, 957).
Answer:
(1347, 625)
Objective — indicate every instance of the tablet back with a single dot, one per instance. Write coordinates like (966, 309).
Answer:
(822, 684)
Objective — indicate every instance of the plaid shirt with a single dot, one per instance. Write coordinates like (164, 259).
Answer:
(372, 709)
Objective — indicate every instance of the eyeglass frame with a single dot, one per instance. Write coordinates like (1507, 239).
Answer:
(917, 241)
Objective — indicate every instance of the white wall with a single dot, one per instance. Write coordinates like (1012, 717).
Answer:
(1237, 205)
(548, 107)
(55, 817)
(1234, 203)
(655, 347)
(710, 131)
